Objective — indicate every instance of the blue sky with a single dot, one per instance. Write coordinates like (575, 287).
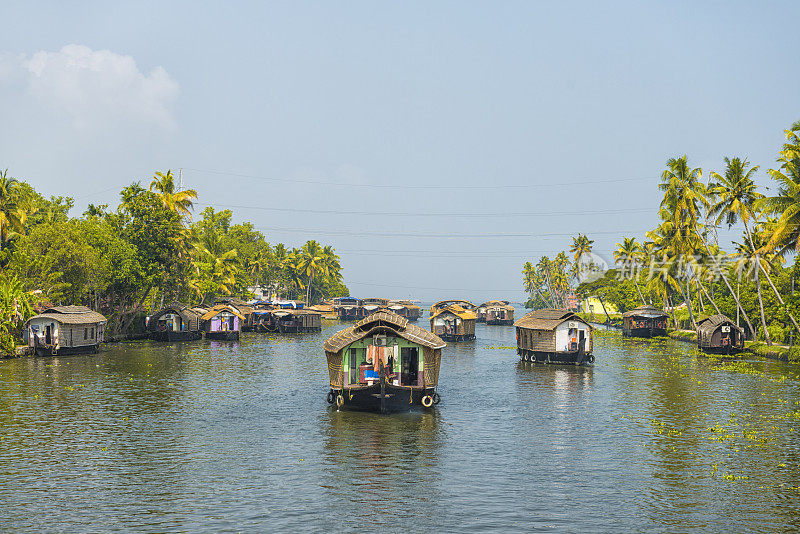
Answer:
(476, 117)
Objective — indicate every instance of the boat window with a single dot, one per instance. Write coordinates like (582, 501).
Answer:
(409, 366)
(85, 333)
(92, 334)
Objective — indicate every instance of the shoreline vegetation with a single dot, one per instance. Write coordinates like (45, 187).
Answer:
(681, 267)
(128, 262)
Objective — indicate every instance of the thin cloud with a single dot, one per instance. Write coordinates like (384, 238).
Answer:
(99, 88)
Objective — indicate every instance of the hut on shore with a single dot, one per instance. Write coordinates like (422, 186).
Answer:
(454, 323)
(719, 335)
(175, 322)
(442, 304)
(288, 321)
(495, 312)
(554, 336)
(348, 308)
(644, 321)
(65, 330)
(222, 322)
(405, 308)
(383, 364)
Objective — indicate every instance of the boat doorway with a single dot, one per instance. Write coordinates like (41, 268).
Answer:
(409, 366)
(48, 338)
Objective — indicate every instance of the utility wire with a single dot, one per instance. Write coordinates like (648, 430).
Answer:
(359, 233)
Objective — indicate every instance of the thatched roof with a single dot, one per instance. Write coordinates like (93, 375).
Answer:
(243, 307)
(379, 322)
(181, 309)
(709, 324)
(547, 319)
(283, 312)
(494, 303)
(463, 303)
(219, 308)
(646, 310)
(71, 315)
(456, 310)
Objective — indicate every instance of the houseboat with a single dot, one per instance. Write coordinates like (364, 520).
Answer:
(288, 321)
(65, 330)
(496, 312)
(644, 321)
(383, 364)
(222, 322)
(405, 308)
(717, 334)
(348, 308)
(175, 322)
(454, 323)
(242, 307)
(554, 336)
(442, 304)
(325, 310)
(373, 304)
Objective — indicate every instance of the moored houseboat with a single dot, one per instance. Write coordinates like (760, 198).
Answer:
(717, 334)
(554, 336)
(222, 322)
(442, 304)
(325, 310)
(454, 323)
(244, 309)
(175, 322)
(288, 321)
(65, 330)
(348, 308)
(373, 304)
(405, 308)
(644, 321)
(497, 312)
(383, 364)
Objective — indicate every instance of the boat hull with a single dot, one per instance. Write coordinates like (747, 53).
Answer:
(457, 337)
(368, 398)
(644, 332)
(230, 335)
(49, 350)
(500, 322)
(562, 358)
(169, 336)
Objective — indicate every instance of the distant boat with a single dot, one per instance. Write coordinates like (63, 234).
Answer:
(644, 321)
(467, 305)
(554, 336)
(383, 364)
(175, 322)
(348, 308)
(454, 323)
(405, 308)
(222, 322)
(495, 312)
(718, 334)
(287, 321)
(65, 330)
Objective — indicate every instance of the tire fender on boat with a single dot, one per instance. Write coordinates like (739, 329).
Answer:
(437, 398)
(339, 401)
(427, 401)
(331, 397)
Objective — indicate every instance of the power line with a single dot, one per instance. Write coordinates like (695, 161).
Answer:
(413, 186)
(359, 233)
(427, 213)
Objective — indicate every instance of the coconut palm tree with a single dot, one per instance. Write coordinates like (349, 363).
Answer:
(629, 254)
(12, 217)
(581, 245)
(163, 185)
(311, 263)
(786, 204)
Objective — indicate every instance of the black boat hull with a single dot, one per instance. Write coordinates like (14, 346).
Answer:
(369, 399)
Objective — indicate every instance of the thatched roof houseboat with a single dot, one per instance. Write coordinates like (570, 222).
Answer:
(65, 330)
(326, 310)
(644, 321)
(241, 306)
(718, 334)
(554, 336)
(383, 364)
(222, 322)
(348, 308)
(442, 304)
(454, 323)
(175, 322)
(288, 320)
(405, 308)
(373, 304)
(495, 312)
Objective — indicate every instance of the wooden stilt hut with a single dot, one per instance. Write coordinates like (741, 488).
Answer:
(465, 304)
(65, 330)
(175, 322)
(554, 336)
(222, 322)
(383, 364)
(719, 335)
(454, 323)
(405, 308)
(644, 321)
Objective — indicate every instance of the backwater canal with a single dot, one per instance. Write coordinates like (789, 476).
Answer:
(209, 436)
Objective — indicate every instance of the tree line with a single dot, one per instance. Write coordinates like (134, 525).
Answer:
(147, 252)
(680, 264)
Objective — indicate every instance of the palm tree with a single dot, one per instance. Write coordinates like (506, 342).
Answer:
(12, 217)
(311, 263)
(177, 201)
(581, 245)
(629, 254)
(786, 204)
